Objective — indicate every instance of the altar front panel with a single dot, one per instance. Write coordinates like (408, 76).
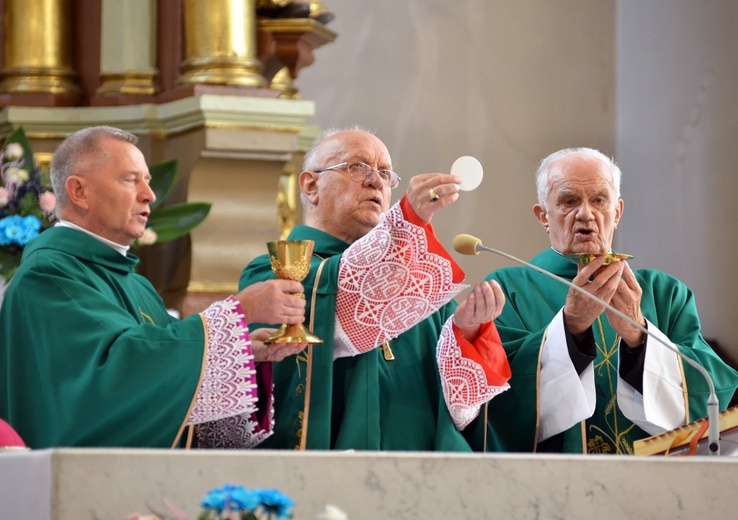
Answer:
(93, 483)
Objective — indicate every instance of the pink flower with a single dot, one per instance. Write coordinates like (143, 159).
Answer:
(4, 197)
(47, 201)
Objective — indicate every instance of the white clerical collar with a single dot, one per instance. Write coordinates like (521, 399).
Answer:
(123, 250)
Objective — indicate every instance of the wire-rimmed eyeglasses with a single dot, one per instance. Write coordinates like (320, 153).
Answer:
(361, 171)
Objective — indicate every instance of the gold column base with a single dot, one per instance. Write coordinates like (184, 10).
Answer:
(128, 83)
(42, 80)
(221, 71)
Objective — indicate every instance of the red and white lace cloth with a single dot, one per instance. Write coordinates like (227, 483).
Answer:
(468, 380)
(392, 279)
(227, 400)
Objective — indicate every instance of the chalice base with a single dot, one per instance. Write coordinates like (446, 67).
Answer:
(295, 333)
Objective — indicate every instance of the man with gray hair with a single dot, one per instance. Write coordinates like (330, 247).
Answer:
(402, 367)
(89, 355)
(584, 380)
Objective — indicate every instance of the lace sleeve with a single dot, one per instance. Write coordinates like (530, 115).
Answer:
(389, 281)
(228, 385)
(465, 382)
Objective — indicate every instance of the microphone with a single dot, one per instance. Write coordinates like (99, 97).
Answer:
(471, 245)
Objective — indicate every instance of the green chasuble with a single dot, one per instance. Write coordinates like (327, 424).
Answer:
(88, 354)
(364, 402)
(533, 300)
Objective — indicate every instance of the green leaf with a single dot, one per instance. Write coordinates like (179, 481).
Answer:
(163, 175)
(178, 219)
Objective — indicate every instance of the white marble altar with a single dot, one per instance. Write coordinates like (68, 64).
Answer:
(82, 484)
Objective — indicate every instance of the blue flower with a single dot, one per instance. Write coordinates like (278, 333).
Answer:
(275, 502)
(214, 500)
(18, 230)
(231, 498)
(26, 201)
(243, 500)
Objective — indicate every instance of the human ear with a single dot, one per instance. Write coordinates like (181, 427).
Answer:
(309, 186)
(619, 212)
(542, 215)
(76, 189)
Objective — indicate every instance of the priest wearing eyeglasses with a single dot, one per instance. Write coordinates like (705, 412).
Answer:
(402, 367)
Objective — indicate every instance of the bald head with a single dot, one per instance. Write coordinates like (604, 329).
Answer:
(345, 206)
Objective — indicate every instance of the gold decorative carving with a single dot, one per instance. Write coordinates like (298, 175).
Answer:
(287, 202)
(282, 82)
(319, 12)
(272, 3)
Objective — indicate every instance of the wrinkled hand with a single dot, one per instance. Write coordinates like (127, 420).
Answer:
(273, 301)
(483, 303)
(627, 299)
(580, 311)
(273, 352)
(445, 185)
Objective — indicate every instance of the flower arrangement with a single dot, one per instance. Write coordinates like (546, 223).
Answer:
(238, 503)
(27, 203)
(221, 503)
(235, 503)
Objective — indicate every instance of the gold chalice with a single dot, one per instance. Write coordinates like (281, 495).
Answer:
(290, 260)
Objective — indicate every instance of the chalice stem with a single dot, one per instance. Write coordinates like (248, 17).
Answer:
(294, 333)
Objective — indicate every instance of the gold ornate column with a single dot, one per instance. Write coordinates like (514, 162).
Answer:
(220, 43)
(289, 206)
(37, 51)
(127, 58)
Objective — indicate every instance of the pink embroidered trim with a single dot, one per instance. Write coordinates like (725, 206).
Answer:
(464, 382)
(236, 432)
(229, 381)
(388, 281)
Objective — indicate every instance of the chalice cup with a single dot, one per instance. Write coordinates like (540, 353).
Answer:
(290, 260)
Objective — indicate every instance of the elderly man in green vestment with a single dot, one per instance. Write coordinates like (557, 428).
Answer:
(89, 355)
(584, 380)
(401, 367)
